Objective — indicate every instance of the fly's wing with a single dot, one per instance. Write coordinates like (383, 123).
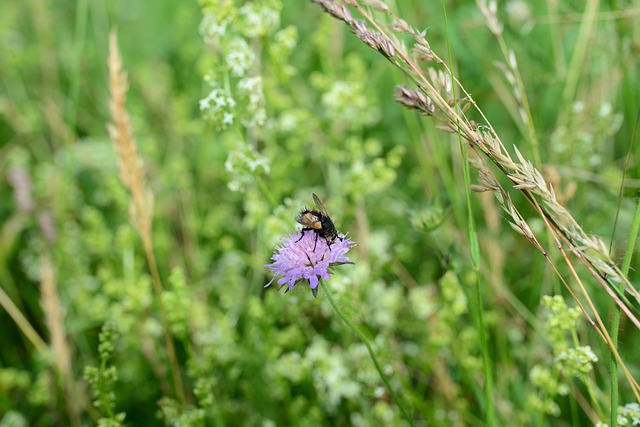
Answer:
(320, 205)
(309, 219)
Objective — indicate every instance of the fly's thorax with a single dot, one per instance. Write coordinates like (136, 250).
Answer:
(328, 229)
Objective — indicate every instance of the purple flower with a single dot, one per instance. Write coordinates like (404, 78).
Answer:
(296, 260)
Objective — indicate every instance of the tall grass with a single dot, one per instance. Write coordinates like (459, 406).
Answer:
(474, 152)
(132, 177)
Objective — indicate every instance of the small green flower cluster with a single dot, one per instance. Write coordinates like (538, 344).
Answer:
(243, 165)
(102, 379)
(177, 304)
(550, 386)
(178, 415)
(570, 360)
(560, 321)
(628, 415)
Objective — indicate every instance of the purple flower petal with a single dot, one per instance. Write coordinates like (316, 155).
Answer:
(313, 281)
(306, 257)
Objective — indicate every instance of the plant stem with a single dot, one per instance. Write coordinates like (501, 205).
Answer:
(171, 351)
(475, 259)
(367, 342)
(615, 320)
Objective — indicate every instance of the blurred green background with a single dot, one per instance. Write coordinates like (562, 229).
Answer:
(312, 111)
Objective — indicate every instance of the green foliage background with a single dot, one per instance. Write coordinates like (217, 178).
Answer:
(322, 120)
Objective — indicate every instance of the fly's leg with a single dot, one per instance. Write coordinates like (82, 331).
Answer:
(309, 229)
(303, 230)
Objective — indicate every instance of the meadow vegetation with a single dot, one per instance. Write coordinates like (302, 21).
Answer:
(479, 158)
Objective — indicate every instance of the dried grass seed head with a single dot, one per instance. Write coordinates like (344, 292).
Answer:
(415, 100)
(337, 10)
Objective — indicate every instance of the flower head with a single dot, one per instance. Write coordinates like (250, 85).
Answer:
(307, 256)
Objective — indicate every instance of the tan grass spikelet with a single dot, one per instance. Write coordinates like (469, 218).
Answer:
(60, 347)
(130, 164)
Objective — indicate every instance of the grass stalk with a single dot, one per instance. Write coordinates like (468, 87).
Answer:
(615, 320)
(22, 322)
(475, 259)
(626, 265)
(519, 88)
(61, 349)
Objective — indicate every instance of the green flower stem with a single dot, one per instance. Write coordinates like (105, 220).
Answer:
(475, 251)
(356, 329)
(615, 320)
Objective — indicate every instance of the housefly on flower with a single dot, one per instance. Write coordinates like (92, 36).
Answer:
(318, 221)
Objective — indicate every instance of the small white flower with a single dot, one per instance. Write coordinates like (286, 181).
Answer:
(227, 119)
(211, 29)
(239, 58)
